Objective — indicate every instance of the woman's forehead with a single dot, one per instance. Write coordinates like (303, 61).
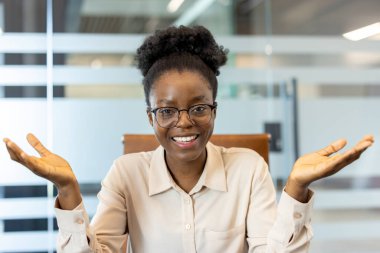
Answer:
(191, 100)
(181, 85)
(174, 75)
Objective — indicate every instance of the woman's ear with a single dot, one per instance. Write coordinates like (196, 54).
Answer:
(150, 116)
(214, 114)
(215, 104)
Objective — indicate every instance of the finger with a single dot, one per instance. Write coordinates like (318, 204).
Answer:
(10, 151)
(336, 163)
(369, 137)
(339, 161)
(13, 155)
(358, 149)
(333, 147)
(14, 150)
(37, 145)
(364, 144)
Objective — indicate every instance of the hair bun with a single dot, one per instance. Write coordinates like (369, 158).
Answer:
(195, 40)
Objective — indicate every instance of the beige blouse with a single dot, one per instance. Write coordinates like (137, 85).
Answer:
(231, 209)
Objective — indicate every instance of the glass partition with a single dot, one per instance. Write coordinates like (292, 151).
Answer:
(24, 206)
(67, 75)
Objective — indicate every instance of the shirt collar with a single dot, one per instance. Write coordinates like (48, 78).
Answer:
(213, 176)
(159, 178)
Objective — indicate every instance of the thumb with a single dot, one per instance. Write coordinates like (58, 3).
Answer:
(37, 145)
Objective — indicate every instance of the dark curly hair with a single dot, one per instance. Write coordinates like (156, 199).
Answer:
(180, 48)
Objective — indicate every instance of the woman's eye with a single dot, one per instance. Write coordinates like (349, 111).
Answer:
(199, 109)
(166, 112)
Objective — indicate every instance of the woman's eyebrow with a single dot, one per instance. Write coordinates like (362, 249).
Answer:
(165, 101)
(199, 98)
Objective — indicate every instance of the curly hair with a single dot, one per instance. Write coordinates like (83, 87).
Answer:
(180, 48)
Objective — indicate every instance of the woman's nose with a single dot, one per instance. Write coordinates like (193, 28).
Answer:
(184, 120)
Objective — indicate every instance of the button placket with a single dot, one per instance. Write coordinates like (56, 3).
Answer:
(189, 214)
(189, 233)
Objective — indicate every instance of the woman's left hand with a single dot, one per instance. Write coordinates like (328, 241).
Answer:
(321, 164)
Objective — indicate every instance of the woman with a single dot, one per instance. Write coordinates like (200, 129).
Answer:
(188, 195)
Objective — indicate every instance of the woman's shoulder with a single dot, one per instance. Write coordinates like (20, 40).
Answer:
(238, 153)
(138, 156)
(134, 161)
(241, 159)
(129, 169)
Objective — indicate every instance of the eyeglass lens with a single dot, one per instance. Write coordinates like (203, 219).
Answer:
(168, 117)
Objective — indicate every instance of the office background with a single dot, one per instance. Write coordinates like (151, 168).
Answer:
(67, 75)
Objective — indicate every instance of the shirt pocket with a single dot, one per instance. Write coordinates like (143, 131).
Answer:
(231, 240)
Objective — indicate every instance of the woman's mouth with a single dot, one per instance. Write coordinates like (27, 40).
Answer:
(185, 138)
(185, 141)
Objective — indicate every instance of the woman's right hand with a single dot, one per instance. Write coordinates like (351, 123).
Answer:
(51, 167)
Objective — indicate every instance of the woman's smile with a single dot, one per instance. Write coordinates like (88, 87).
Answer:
(188, 141)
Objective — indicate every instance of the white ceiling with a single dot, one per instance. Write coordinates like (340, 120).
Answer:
(287, 17)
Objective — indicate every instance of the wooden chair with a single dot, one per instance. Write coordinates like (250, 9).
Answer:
(258, 142)
(147, 142)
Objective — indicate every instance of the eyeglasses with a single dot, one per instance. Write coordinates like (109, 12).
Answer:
(168, 117)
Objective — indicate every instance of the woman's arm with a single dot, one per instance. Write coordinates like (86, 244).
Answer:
(51, 167)
(287, 228)
(107, 231)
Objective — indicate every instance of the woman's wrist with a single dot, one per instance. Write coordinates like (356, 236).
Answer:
(297, 191)
(69, 196)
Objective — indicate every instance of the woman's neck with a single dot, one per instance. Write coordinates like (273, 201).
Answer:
(186, 174)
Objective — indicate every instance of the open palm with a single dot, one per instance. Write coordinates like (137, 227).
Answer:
(325, 162)
(49, 166)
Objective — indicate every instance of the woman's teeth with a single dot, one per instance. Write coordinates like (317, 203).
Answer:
(184, 139)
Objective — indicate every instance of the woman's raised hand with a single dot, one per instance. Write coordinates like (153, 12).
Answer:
(51, 167)
(321, 164)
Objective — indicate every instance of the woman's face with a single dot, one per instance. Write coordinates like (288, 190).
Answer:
(182, 90)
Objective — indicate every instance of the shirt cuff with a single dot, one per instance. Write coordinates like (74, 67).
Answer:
(297, 211)
(73, 221)
(292, 217)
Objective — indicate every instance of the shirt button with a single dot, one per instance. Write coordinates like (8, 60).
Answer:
(80, 221)
(188, 226)
(297, 215)
(188, 201)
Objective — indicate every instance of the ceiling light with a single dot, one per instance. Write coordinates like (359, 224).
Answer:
(364, 32)
(174, 5)
(193, 12)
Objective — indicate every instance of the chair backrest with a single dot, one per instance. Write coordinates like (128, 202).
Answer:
(258, 142)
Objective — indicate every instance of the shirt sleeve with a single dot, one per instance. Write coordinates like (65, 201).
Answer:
(72, 234)
(277, 229)
(292, 229)
(107, 231)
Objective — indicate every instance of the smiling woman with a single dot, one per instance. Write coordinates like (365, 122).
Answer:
(188, 195)
(186, 140)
